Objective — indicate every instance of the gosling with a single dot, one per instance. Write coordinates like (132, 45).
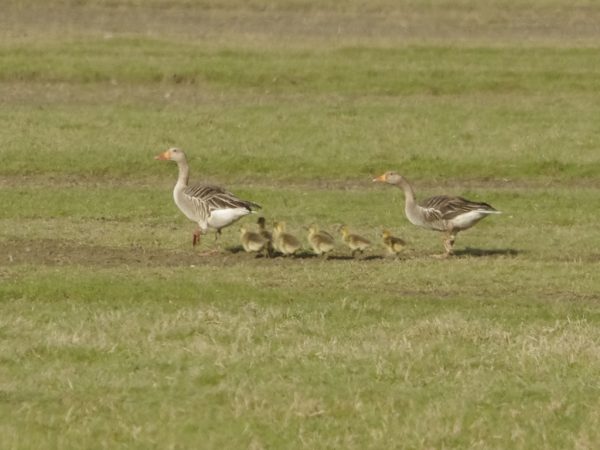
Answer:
(321, 241)
(354, 241)
(284, 242)
(262, 229)
(252, 241)
(393, 244)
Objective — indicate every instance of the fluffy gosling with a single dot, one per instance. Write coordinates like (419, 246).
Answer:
(262, 229)
(252, 241)
(355, 242)
(320, 241)
(284, 242)
(393, 244)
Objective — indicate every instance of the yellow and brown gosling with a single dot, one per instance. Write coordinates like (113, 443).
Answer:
(393, 244)
(284, 242)
(321, 241)
(262, 229)
(252, 241)
(354, 241)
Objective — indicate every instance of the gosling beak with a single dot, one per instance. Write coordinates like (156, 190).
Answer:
(379, 179)
(164, 156)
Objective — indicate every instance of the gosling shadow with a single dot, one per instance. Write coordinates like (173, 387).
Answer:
(355, 258)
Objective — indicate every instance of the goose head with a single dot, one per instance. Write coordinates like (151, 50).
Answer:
(172, 154)
(390, 177)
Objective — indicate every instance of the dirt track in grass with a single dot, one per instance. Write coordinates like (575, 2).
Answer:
(55, 252)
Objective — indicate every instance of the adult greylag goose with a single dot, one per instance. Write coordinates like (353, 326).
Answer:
(440, 213)
(209, 206)
(393, 244)
(284, 242)
(252, 241)
(354, 241)
(321, 241)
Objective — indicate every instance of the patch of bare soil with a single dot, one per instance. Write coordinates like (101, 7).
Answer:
(54, 252)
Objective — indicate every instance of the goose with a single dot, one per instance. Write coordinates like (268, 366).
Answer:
(284, 242)
(393, 244)
(354, 241)
(321, 241)
(449, 215)
(209, 206)
(252, 241)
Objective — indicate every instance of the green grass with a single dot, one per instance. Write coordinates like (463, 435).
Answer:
(115, 333)
(523, 112)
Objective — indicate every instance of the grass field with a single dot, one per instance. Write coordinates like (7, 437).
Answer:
(116, 333)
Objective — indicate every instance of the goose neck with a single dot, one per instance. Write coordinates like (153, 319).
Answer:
(409, 194)
(184, 174)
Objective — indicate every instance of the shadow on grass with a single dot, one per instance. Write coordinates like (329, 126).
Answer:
(306, 254)
(329, 257)
(55, 252)
(479, 252)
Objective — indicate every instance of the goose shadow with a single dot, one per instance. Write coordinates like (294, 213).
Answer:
(481, 252)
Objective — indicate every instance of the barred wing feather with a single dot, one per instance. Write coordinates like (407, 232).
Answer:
(442, 207)
(207, 199)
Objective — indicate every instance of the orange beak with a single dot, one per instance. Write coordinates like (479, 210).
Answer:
(380, 179)
(164, 156)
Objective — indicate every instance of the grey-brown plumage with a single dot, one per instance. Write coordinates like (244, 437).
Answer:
(208, 198)
(209, 206)
(440, 213)
(354, 241)
(321, 241)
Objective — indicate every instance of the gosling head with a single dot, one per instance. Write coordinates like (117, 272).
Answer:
(312, 229)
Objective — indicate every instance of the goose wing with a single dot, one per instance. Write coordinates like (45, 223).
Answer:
(206, 199)
(209, 198)
(442, 207)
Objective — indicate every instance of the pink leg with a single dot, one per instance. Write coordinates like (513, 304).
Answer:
(196, 238)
